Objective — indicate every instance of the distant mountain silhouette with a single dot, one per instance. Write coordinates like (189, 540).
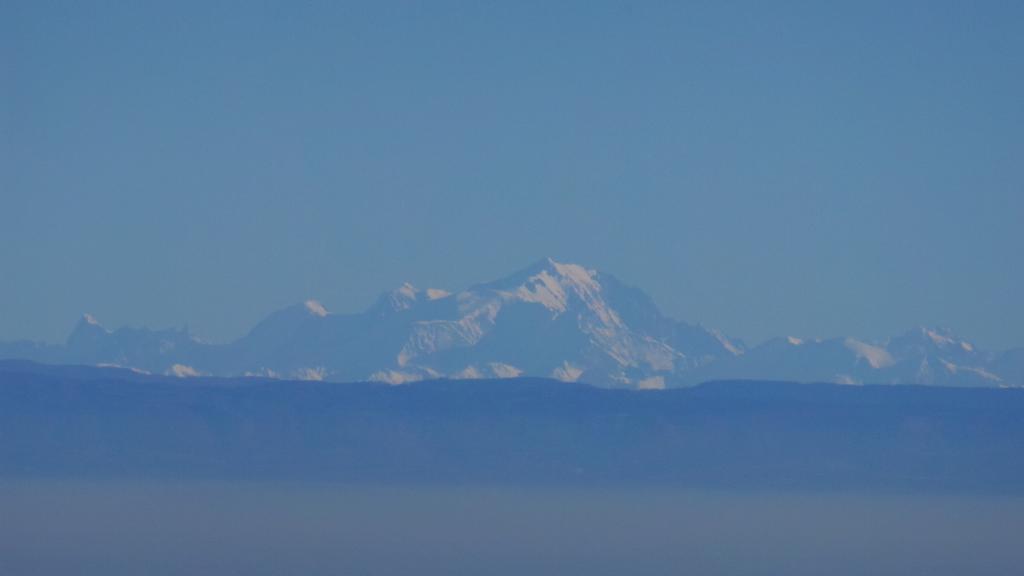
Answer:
(82, 421)
(550, 320)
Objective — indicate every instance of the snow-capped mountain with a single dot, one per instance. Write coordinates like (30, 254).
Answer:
(550, 319)
(920, 356)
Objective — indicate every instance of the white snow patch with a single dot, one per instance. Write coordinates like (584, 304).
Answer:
(657, 355)
(129, 368)
(726, 343)
(938, 339)
(183, 371)
(794, 340)
(403, 297)
(501, 370)
(395, 377)
(315, 308)
(314, 374)
(567, 372)
(437, 293)
(579, 275)
(468, 373)
(953, 369)
(877, 357)
(430, 336)
(984, 374)
(652, 383)
(552, 290)
(90, 319)
(545, 290)
(407, 290)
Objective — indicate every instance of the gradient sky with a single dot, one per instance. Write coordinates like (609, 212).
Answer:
(799, 168)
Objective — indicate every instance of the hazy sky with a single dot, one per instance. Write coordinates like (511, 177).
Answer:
(788, 169)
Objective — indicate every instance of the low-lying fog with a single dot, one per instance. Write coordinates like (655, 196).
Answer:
(142, 527)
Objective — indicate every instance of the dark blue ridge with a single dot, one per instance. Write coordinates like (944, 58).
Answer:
(83, 421)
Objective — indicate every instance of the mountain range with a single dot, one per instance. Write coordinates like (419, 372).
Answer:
(551, 319)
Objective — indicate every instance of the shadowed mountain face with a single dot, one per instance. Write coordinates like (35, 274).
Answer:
(551, 320)
(72, 421)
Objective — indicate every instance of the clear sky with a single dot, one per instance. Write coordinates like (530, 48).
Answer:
(763, 168)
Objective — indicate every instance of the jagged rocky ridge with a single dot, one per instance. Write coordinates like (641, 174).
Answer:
(550, 319)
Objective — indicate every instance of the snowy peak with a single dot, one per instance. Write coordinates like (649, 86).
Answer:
(935, 338)
(406, 297)
(89, 324)
(556, 286)
(87, 329)
(559, 288)
(549, 319)
(315, 308)
(402, 298)
(89, 319)
(545, 267)
(934, 343)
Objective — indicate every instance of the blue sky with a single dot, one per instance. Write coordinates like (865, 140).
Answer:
(801, 168)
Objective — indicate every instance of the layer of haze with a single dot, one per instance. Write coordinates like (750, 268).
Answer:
(766, 169)
(114, 528)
